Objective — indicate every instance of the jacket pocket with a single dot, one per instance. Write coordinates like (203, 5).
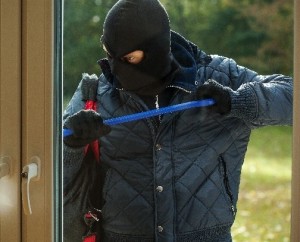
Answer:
(225, 177)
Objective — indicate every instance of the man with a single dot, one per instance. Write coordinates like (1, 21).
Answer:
(174, 177)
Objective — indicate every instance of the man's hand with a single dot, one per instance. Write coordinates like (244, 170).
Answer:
(87, 126)
(212, 89)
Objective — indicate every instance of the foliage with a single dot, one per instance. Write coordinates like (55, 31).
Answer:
(83, 20)
(256, 33)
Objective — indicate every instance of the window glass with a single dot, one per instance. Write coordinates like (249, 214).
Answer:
(255, 37)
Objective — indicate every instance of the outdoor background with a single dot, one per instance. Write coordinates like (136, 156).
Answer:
(257, 34)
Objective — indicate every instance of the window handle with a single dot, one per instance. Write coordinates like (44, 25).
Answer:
(30, 172)
(4, 166)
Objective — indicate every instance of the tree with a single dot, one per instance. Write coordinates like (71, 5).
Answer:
(276, 19)
(83, 20)
(256, 33)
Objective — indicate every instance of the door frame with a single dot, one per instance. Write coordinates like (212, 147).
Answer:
(10, 118)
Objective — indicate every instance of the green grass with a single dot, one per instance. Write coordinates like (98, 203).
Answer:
(264, 199)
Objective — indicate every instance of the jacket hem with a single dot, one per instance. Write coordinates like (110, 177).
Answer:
(205, 235)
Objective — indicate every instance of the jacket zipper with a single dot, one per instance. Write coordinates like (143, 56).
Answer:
(157, 107)
(227, 186)
(141, 109)
(156, 101)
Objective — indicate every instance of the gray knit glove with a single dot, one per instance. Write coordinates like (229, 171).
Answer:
(87, 126)
(221, 95)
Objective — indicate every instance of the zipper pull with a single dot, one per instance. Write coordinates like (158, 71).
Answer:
(157, 107)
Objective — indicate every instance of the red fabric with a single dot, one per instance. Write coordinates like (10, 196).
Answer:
(90, 238)
(88, 215)
(95, 148)
(90, 104)
(90, 219)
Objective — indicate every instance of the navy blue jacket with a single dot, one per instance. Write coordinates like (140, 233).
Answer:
(179, 180)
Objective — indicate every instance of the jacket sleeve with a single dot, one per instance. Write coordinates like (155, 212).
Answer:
(259, 100)
(72, 161)
(72, 157)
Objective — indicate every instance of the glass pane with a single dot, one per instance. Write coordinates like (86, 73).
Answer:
(238, 30)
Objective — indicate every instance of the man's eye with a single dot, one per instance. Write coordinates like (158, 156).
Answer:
(130, 58)
(133, 58)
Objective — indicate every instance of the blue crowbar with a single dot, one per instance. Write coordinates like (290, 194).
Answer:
(152, 113)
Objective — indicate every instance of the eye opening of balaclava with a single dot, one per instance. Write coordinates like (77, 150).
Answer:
(139, 25)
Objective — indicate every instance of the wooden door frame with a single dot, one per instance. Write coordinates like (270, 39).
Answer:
(41, 115)
(10, 117)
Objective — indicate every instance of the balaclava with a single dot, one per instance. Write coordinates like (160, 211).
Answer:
(139, 25)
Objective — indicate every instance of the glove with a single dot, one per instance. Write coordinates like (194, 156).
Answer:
(87, 126)
(221, 95)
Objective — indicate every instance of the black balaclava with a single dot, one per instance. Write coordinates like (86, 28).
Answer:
(139, 25)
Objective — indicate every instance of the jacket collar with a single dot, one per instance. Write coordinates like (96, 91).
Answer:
(185, 59)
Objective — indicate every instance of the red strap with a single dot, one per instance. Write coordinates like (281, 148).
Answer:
(90, 238)
(90, 220)
(90, 104)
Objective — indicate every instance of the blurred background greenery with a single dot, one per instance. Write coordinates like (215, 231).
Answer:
(258, 34)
